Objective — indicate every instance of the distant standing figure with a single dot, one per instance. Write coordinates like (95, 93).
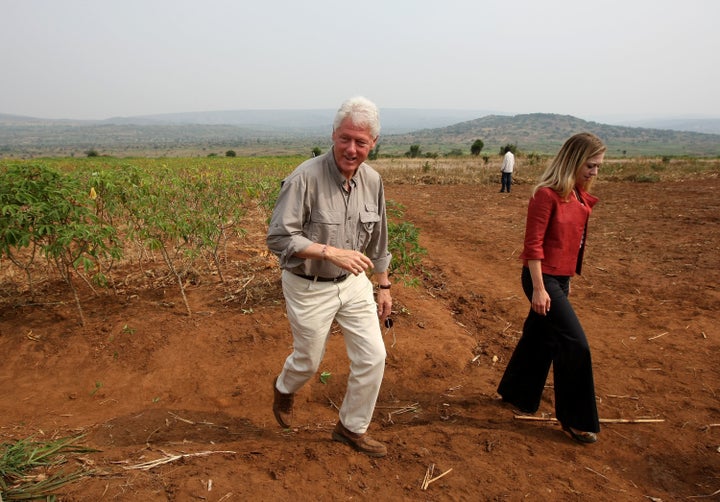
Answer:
(506, 170)
(555, 236)
(329, 227)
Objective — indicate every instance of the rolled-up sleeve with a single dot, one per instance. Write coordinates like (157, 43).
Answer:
(285, 232)
(377, 249)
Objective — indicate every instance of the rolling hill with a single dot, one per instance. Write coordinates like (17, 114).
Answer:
(544, 133)
(273, 132)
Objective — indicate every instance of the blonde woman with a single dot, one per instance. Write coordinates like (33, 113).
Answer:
(555, 236)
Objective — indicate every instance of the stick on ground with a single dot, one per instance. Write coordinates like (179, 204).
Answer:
(602, 420)
(428, 476)
(145, 466)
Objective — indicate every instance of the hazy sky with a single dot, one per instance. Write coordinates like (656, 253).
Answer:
(95, 59)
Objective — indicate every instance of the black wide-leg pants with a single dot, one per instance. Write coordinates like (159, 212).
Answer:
(558, 339)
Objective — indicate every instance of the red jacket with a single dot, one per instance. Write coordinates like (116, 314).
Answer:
(555, 230)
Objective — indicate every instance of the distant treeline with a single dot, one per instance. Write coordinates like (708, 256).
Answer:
(530, 133)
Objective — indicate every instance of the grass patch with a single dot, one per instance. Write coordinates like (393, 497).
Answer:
(643, 178)
(34, 470)
(474, 171)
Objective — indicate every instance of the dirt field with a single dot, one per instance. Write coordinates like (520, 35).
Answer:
(143, 381)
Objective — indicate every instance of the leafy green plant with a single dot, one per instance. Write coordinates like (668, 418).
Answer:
(183, 214)
(405, 247)
(217, 209)
(403, 242)
(325, 377)
(264, 192)
(47, 212)
(98, 386)
(82, 215)
(19, 218)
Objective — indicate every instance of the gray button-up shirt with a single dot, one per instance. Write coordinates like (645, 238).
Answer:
(313, 207)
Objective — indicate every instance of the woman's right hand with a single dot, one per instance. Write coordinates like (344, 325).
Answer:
(540, 302)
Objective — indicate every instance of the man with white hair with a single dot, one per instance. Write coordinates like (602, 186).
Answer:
(328, 228)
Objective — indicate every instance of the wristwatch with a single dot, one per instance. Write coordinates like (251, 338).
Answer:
(384, 286)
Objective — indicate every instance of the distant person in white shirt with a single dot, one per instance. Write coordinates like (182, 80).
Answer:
(507, 169)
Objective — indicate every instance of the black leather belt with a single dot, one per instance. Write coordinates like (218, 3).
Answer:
(339, 278)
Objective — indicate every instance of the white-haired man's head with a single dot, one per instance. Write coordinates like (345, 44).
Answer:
(362, 112)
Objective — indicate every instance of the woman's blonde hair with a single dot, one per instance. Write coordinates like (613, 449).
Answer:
(561, 174)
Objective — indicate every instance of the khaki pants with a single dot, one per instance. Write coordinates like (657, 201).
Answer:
(311, 308)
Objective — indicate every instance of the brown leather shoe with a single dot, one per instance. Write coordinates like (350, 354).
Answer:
(282, 406)
(360, 442)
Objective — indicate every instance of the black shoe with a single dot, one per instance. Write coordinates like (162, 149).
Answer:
(526, 411)
(580, 436)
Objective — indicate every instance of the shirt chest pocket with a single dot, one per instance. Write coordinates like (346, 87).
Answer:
(324, 226)
(369, 218)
